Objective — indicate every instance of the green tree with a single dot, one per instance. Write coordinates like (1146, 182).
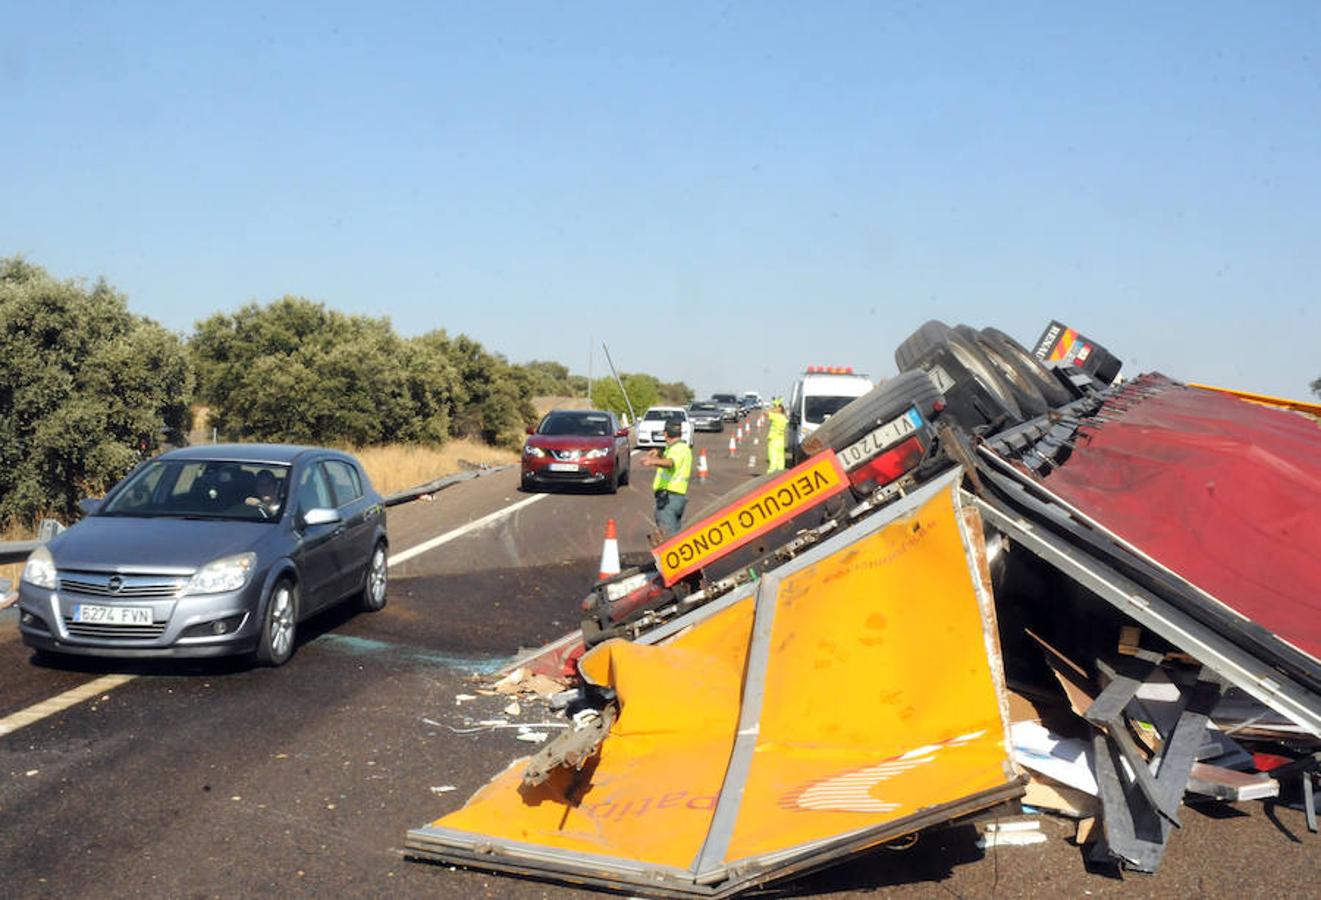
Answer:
(549, 379)
(676, 393)
(1316, 387)
(295, 371)
(643, 391)
(88, 388)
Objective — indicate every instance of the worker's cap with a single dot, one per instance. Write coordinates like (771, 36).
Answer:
(673, 428)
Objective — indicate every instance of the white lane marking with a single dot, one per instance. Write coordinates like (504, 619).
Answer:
(74, 696)
(404, 555)
(60, 702)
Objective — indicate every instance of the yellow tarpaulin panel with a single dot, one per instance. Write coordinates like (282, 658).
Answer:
(880, 698)
(857, 696)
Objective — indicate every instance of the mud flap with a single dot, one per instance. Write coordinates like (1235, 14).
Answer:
(855, 697)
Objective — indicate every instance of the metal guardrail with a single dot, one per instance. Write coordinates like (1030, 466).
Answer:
(16, 551)
(440, 484)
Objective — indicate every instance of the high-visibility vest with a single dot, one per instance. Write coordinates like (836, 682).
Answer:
(778, 422)
(675, 480)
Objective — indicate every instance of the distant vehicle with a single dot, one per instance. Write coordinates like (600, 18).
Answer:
(651, 427)
(706, 416)
(209, 551)
(729, 406)
(819, 393)
(577, 446)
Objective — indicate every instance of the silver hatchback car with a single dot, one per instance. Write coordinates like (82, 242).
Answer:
(209, 551)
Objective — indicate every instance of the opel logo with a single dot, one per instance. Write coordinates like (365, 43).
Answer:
(115, 585)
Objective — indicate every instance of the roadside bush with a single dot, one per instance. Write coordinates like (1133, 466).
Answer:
(87, 389)
(643, 391)
(296, 371)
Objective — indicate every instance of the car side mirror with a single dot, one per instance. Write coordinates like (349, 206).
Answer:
(88, 506)
(321, 516)
(623, 432)
(530, 430)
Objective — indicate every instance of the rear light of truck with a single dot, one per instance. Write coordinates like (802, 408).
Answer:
(889, 466)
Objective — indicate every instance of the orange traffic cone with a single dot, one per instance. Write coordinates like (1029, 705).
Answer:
(701, 465)
(609, 552)
(733, 447)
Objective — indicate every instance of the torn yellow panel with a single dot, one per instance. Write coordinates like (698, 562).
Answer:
(651, 792)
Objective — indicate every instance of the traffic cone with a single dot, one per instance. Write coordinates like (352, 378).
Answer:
(733, 447)
(701, 465)
(609, 552)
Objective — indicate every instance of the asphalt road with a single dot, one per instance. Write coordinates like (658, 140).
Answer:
(219, 780)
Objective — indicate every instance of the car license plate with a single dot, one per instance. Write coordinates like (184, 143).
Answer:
(562, 467)
(887, 435)
(112, 615)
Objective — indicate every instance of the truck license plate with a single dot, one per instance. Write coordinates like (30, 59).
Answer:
(112, 615)
(887, 435)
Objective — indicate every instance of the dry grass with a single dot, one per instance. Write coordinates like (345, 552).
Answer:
(398, 466)
(544, 405)
(13, 533)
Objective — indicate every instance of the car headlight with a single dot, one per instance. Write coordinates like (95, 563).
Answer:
(534, 451)
(596, 453)
(222, 575)
(40, 569)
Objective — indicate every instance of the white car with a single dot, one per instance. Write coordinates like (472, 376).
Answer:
(651, 427)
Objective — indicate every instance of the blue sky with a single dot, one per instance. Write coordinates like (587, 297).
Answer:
(722, 192)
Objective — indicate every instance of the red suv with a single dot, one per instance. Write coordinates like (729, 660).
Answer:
(576, 446)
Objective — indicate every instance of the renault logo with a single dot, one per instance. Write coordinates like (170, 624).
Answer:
(115, 584)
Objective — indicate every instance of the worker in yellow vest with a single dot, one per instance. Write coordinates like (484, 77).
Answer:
(775, 437)
(673, 469)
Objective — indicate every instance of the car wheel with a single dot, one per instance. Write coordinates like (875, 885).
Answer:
(279, 625)
(628, 473)
(372, 598)
(612, 483)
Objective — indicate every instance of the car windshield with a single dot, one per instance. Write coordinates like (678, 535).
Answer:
(201, 489)
(703, 407)
(662, 415)
(724, 398)
(817, 409)
(581, 424)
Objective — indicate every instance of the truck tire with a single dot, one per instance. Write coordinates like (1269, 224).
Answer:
(918, 343)
(1025, 393)
(1054, 393)
(975, 394)
(883, 403)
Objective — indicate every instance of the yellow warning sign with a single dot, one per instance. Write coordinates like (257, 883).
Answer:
(797, 490)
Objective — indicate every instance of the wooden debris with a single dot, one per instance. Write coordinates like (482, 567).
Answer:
(1046, 793)
(1226, 784)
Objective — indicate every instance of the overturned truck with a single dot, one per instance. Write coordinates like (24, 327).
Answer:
(825, 661)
